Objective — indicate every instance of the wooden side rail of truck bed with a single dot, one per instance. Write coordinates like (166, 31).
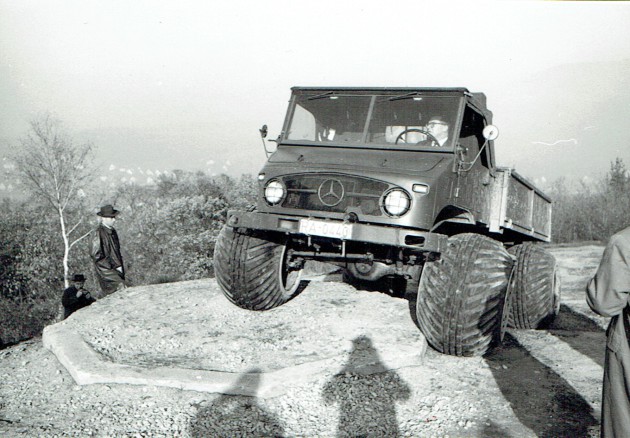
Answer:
(519, 206)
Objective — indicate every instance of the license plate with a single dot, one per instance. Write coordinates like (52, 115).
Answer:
(338, 230)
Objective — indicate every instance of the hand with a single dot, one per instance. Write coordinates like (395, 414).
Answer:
(79, 293)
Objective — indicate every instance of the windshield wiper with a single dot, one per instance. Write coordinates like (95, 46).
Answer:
(321, 96)
(405, 96)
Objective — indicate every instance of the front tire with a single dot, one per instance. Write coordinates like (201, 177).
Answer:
(535, 288)
(252, 272)
(462, 296)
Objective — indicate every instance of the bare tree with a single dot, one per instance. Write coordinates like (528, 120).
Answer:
(55, 169)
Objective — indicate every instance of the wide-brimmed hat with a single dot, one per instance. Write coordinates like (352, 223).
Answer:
(78, 277)
(108, 211)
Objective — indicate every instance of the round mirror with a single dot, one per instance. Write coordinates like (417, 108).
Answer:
(263, 131)
(490, 132)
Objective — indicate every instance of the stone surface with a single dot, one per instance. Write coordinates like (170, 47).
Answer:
(187, 335)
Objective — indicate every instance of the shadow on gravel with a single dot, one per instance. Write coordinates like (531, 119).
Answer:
(541, 399)
(581, 333)
(366, 392)
(235, 415)
(492, 429)
(388, 285)
(393, 286)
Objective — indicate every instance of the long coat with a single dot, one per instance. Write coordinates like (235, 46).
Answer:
(105, 253)
(608, 295)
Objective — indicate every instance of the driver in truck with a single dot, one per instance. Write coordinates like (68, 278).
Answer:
(438, 128)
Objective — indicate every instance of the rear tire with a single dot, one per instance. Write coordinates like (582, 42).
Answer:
(462, 296)
(253, 272)
(535, 287)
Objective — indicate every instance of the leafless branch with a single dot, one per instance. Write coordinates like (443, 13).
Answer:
(79, 239)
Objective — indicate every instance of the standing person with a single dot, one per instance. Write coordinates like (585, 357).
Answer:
(607, 294)
(105, 252)
(75, 297)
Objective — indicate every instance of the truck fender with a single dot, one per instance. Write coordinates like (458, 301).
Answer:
(453, 214)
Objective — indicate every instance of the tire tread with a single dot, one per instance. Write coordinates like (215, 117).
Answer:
(461, 297)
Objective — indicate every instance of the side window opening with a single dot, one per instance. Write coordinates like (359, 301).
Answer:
(471, 135)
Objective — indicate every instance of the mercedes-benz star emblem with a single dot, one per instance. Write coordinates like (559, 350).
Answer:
(331, 192)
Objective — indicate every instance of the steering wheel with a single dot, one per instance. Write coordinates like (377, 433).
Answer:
(421, 131)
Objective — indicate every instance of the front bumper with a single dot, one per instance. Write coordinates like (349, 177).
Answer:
(376, 234)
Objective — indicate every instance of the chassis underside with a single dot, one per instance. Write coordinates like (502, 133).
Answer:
(365, 260)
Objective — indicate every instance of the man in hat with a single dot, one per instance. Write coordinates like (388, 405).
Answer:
(75, 297)
(105, 252)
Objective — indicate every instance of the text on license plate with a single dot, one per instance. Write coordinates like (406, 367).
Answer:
(337, 230)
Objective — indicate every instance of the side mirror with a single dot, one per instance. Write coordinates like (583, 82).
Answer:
(490, 132)
(263, 134)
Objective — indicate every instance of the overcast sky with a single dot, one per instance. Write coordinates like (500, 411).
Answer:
(165, 84)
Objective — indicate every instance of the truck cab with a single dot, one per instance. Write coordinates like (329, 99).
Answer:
(382, 182)
(396, 150)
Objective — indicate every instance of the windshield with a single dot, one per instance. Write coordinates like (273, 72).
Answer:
(397, 121)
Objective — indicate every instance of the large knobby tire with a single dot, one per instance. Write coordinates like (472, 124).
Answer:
(253, 272)
(535, 287)
(462, 296)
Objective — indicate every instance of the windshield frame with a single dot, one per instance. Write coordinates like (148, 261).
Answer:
(375, 95)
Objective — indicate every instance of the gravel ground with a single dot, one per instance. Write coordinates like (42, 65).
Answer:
(515, 391)
(40, 398)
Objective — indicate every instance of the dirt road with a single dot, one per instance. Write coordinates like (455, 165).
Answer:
(539, 383)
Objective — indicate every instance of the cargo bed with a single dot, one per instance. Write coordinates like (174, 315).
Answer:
(517, 205)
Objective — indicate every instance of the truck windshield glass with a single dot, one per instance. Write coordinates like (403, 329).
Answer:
(396, 121)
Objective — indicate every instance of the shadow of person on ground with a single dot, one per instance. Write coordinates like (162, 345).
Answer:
(366, 392)
(541, 399)
(581, 333)
(236, 415)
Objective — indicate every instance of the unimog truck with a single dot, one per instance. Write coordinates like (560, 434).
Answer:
(397, 183)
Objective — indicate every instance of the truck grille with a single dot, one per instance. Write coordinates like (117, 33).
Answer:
(334, 193)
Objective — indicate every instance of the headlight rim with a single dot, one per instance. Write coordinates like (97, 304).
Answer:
(388, 193)
(282, 187)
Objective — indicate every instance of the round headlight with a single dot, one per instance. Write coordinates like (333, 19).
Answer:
(396, 202)
(274, 192)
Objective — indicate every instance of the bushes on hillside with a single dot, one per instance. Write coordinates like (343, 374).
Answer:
(167, 231)
(591, 210)
(30, 277)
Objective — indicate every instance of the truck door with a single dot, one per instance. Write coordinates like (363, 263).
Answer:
(472, 186)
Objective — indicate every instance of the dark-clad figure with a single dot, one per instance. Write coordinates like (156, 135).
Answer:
(105, 252)
(75, 297)
(607, 294)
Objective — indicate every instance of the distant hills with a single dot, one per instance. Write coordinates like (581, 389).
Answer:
(569, 121)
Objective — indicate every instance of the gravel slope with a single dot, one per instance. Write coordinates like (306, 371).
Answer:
(515, 391)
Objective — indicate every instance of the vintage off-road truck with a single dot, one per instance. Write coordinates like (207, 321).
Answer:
(397, 183)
